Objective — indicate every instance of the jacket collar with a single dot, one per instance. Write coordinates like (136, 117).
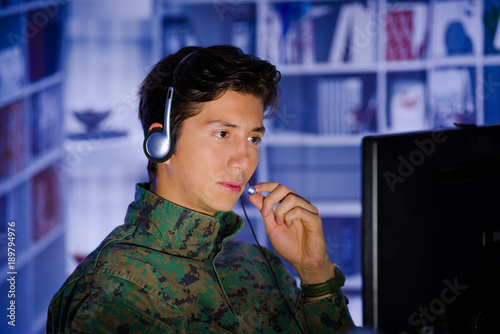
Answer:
(176, 230)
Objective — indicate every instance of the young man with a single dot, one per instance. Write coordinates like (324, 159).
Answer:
(172, 265)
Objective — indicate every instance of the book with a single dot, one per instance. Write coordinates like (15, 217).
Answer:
(354, 39)
(491, 26)
(12, 139)
(297, 33)
(44, 44)
(177, 33)
(456, 28)
(342, 107)
(343, 242)
(406, 30)
(407, 105)
(47, 202)
(451, 97)
(292, 32)
(243, 35)
(487, 91)
(12, 71)
(46, 121)
(272, 45)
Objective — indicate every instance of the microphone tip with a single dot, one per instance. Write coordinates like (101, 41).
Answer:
(252, 190)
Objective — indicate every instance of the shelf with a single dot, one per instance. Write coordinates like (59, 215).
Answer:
(222, 3)
(98, 142)
(326, 68)
(404, 65)
(44, 84)
(429, 64)
(33, 88)
(11, 182)
(311, 140)
(491, 60)
(19, 95)
(25, 7)
(339, 208)
(32, 195)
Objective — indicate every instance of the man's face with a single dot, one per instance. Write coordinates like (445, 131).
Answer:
(216, 154)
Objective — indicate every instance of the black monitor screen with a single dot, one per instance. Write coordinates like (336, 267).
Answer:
(431, 231)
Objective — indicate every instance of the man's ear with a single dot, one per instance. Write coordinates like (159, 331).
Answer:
(155, 125)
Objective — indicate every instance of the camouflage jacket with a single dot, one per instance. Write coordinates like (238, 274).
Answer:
(169, 269)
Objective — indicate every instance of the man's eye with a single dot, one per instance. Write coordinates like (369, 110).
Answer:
(254, 140)
(222, 134)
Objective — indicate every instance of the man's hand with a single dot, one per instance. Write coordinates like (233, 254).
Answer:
(295, 230)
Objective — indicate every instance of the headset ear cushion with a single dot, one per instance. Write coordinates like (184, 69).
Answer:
(157, 160)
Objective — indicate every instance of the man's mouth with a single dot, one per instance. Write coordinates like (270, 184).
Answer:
(232, 187)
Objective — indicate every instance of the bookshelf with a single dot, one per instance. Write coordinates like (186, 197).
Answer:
(32, 243)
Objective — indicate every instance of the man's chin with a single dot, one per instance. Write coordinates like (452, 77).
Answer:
(227, 205)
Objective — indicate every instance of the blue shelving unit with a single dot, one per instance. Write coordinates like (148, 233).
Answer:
(32, 243)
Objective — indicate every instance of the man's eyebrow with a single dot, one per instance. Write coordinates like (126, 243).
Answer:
(260, 129)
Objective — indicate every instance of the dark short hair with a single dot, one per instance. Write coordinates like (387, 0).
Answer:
(199, 75)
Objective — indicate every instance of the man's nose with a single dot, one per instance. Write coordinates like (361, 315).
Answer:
(239, 158)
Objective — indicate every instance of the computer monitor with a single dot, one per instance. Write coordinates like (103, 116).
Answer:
(431, 231)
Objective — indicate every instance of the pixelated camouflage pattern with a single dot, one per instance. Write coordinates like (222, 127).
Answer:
(169, 269)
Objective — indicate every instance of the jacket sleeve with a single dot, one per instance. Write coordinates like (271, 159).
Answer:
(321, 316)
(328, 315)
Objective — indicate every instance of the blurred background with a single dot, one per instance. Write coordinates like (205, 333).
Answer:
(71, 143)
